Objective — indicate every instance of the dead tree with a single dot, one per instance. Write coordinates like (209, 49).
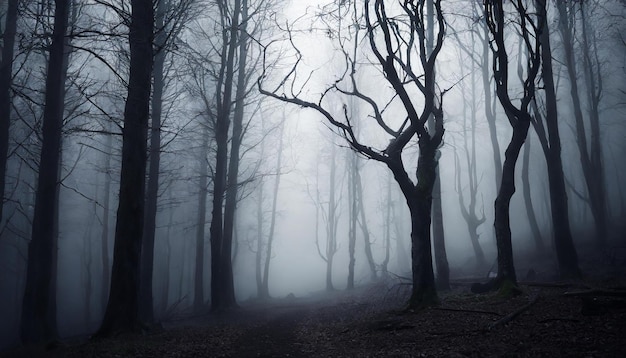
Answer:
(390, 38)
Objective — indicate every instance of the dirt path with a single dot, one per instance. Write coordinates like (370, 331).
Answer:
(274, 337)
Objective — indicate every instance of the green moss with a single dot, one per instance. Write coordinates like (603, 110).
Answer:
(508, 288)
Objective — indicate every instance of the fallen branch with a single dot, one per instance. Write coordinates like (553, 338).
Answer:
(511, 316)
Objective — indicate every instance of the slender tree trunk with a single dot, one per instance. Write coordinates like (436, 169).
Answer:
(104, 235)
(352, 216)
(198, 291)
(122, 312)
(439, 244)
(530, 212)
(331, 239)
(228, 288)
(363, 224)
(147, 260)
(222, 295)
(6, 72)
(490, 101)
(259, 243)
(38, 322)
(270, 237)
(563, 242)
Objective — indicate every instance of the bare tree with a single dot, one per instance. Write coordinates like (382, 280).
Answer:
(390, 37)
(519, 119)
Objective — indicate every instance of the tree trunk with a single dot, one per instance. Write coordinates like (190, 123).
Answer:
(439, 244)
(147, 259)
(424, 290)
(38, 322)
(6, 72)
(259, 243)
(270, 236)
(222, 294)
(122, 309)
(352, 216)
(232, 186)
(363, 224)
(331, 238)
(104, 235)
(528, 203)
(563, 242)
(198, 291)
(419, 201)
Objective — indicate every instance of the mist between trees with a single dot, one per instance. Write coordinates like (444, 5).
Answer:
(178, 157)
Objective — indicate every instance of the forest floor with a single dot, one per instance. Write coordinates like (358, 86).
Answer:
(584, 318)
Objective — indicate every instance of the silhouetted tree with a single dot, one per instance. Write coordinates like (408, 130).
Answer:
(519, 119)
(122, 312)
(38, 323)
(402, 33)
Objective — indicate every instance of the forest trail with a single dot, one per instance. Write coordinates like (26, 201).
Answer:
(275, 336)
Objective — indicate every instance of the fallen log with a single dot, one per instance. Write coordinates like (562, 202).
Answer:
(596, 292)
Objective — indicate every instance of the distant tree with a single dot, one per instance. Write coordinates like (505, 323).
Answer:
(563, 242)
(468, 211)
(264, 292)
(122, 312)
(590, 152)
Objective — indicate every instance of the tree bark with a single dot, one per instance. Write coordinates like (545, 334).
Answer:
(38, 322)
(122, 309)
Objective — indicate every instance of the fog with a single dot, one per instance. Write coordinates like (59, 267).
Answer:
(314, 196)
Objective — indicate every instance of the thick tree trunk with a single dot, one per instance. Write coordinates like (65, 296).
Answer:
(38, 322)
(147, 259)
(419, 201)
(6, 72)
(122, 309)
